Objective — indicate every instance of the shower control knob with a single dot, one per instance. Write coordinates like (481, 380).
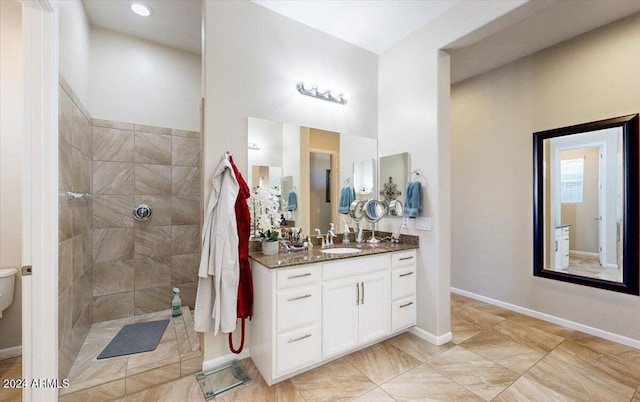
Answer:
(142, 212)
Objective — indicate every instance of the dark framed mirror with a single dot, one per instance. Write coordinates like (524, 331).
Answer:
(585, 196)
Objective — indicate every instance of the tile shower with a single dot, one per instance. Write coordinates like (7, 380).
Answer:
(112, 266)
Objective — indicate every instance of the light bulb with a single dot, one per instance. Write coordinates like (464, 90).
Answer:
(141, 9)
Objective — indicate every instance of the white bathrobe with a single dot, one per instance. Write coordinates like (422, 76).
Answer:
(216, 300)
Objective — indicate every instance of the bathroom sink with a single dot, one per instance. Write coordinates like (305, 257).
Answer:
(341, 250)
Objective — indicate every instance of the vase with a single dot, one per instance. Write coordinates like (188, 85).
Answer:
(270, 247)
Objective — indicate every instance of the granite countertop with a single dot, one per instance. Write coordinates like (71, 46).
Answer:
(312, 256)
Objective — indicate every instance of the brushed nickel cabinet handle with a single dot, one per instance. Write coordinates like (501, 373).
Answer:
(299, 297)
(362, 284)
(405, 305)
(299, 276)
(405, 258)
(299, 338)
(407, 274)
(357, 294)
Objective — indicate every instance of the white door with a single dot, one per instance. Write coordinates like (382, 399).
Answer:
(340, 301)
(40, 198)
(375, 307)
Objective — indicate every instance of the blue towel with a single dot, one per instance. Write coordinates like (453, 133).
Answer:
(347, 196)
(413, 200)
(292, 202)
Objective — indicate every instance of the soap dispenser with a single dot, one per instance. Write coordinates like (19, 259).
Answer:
(176, 303)
(345, 235)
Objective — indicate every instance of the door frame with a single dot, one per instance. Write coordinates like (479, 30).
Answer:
(40, 198)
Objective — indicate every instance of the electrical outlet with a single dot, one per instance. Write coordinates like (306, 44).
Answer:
(405, 222)
(423, 223)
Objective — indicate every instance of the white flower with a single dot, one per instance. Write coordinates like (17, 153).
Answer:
(263, 206)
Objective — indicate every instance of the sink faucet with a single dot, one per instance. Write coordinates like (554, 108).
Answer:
(330, 236)
(319, 236)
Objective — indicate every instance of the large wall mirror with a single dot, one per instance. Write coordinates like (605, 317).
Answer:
(314, 164)
(586, 204)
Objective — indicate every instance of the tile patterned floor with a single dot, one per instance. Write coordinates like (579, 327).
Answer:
(591, 268)
(495, 354)
(177, 355)
(10, 369)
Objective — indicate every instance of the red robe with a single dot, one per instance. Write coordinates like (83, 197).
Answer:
(245, 285)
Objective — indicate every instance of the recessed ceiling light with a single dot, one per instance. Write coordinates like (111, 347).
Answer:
(141, 9)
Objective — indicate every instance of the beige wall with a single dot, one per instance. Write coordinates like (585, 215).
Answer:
(11, 165)
(592, 77)
(413, 115)
(124, 88)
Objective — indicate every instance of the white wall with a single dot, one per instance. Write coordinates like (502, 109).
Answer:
(269, 136)
(592, 77)
(414, 116)
(11, 164)
(254, 58)
(74, 48)
(139, 81)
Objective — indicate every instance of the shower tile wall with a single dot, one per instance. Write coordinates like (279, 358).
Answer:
(137, 263)
(74, 235)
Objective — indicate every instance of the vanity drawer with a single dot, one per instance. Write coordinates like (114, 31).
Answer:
(305, 275)
(354, 266)
(403, 258)
(403, 313)
(297, 308)
(298, 349)
(403, 282)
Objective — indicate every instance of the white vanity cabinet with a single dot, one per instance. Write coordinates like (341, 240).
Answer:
(286, 329)
(308, 314)
(355, 303)
(403, 290)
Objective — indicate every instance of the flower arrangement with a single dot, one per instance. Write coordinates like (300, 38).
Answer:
(265, 218)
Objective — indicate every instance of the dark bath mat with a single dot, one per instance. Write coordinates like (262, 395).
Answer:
(135, 338)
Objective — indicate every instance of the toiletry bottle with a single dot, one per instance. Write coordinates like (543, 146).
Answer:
(176, 304)
(345, 235)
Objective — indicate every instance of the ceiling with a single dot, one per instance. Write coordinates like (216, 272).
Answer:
(175, 23)
(372, 25)
(376, 25)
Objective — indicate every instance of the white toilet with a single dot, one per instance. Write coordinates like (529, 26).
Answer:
(7, 282)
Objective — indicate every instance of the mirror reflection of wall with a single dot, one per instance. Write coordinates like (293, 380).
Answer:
(364, 179)
(394, 170)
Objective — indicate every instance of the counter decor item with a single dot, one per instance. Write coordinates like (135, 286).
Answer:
(265, 218)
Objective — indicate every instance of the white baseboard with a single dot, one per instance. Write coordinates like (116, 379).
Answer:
(634, 343)
(10, 352)
(429, 337)
(222, 360)
(585, 254)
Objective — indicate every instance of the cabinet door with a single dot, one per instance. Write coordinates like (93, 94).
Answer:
(375, 307)
(339, 316)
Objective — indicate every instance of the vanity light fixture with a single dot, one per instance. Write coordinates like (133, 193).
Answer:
(254, 146)
(327, 94)
(141, 9)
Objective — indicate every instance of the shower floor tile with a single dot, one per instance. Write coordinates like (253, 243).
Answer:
(91, 378)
